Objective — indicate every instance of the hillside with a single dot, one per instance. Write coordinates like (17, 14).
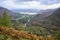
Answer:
(54, 20)
(12, 34)
(51, 22)
(10, 13)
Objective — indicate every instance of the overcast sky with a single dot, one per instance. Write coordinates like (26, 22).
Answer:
(30, 4)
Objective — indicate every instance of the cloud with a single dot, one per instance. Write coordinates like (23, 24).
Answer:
(26, 0)
(50, 1)
(42, 1)
(31, 4)
(2, 1)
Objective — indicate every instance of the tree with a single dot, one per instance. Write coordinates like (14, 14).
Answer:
(5, 20)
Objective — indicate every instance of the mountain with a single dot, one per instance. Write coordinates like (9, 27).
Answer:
(56, 14)
(50, 22)
(26, 10)
(53, 21)
(54, 18)
(9, 12)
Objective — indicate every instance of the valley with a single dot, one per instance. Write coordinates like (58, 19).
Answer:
(44, 23)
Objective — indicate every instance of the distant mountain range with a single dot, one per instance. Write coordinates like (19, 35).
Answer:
(32, 10)
(26, 10)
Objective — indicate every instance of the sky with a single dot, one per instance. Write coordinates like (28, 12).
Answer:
(30, 4)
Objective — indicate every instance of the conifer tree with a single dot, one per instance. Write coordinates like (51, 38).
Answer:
(5, 20)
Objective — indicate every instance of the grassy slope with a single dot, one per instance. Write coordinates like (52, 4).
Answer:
(12, 34)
